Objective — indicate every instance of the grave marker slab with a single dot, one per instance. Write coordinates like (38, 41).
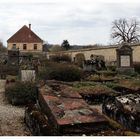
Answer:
(28, 75)
(125, 59)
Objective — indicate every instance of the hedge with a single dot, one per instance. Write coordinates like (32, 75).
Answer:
(21, 93)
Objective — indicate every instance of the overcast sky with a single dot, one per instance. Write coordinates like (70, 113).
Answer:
(78, 21)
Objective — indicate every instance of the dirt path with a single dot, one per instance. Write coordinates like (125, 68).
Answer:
(11, 118)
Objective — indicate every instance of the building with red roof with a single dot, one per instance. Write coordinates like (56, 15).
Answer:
(25, 40)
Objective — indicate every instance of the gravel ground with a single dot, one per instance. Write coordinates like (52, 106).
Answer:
(11, 119)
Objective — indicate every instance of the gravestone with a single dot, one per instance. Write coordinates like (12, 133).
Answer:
(125, 59)
(96, 62)
(28, 75)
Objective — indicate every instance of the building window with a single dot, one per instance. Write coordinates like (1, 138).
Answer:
(35, 46)
(14, 46)
(24, 47)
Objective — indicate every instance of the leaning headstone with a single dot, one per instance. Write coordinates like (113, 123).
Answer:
(125, 59)
(28, 75)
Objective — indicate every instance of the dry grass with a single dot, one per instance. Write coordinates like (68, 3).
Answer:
(94, 89)
(130, 83)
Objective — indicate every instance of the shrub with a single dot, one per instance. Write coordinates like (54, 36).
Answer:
(61, 72)
(42, 74)
(107, 73)
(44, 62)
(111, 68)
(60, 58)
(66, 74)
(94, 77)
(21, 93)
(9, 69)
(137, 66)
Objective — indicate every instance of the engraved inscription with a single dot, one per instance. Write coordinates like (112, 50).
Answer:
(125, 61)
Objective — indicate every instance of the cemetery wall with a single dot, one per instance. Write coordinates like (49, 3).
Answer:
(136, 53)
(109, 53)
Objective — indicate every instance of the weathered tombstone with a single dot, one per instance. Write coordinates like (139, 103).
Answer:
(28, 75)
(89, 65)
(95, 63)
(125, 59)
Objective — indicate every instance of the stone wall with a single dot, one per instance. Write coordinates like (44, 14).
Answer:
(109, 53)
(136, 53)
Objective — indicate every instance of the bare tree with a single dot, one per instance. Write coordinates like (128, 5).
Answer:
(124, 30)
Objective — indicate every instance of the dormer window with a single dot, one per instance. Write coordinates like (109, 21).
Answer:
(24, 47)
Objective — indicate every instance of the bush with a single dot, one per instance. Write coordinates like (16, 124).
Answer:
(9, 69)
(21, 93)
(94, 77)
(107, 73)
(61, 72)
(66, 74)
(137, 66)
(111, 68)
(60, 58)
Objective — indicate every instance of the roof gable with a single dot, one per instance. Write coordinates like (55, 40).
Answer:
(26, 35)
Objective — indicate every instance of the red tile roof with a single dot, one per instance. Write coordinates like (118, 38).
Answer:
(26, 35)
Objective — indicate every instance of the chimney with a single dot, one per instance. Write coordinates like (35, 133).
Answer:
(30, 26)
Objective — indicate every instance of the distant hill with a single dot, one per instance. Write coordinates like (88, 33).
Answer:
(47, 47)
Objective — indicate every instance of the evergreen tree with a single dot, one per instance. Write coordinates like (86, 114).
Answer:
(65, 45)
